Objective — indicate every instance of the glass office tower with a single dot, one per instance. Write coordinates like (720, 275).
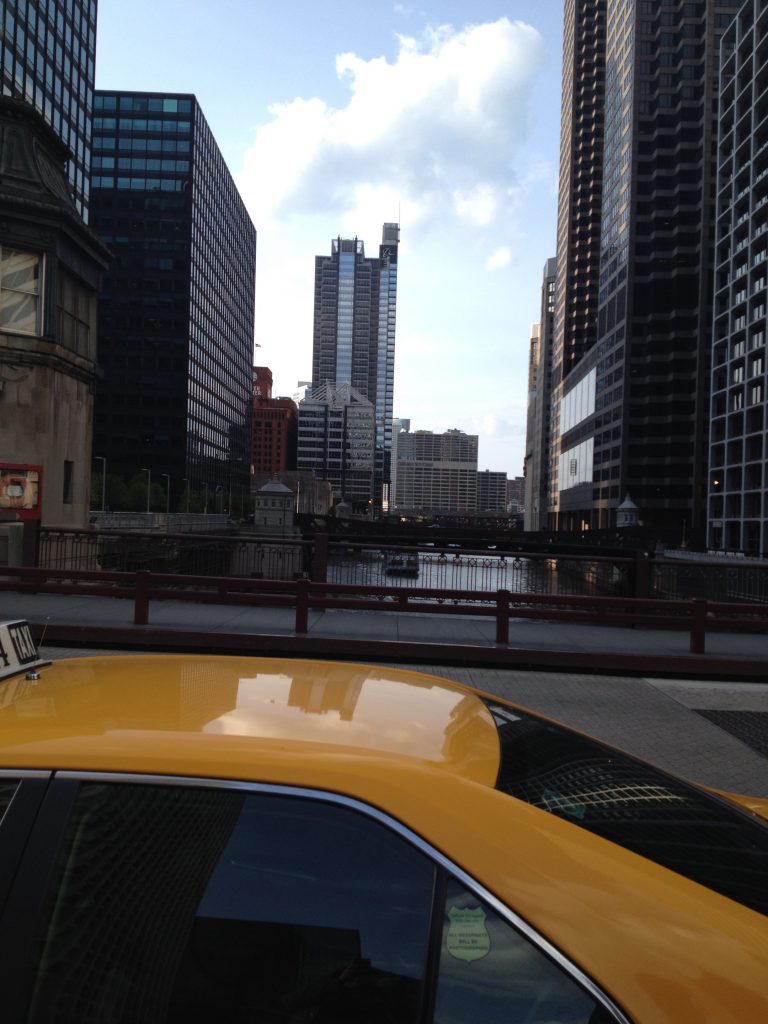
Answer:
(354, 333)
(47, 56)
(177, 309)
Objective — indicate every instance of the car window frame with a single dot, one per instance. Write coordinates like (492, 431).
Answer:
(29, 888)
(16, 824)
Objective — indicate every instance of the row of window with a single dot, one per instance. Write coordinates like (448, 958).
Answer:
(107, 163)
(139, 184)
(142, 104)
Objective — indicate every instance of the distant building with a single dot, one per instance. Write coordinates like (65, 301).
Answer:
(47, 59)
(538, 439)
(516, 494)
(354, 333)
(50, 269)
(399, 424)
(336, 442)
(312, 496)
(273, 508)
(176, 314)
(436, 472)
(275, 427)
(491, 491)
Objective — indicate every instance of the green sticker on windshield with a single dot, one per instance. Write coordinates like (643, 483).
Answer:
(467, 938)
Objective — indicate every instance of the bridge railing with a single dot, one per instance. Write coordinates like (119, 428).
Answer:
(697, 616)
(632, 574)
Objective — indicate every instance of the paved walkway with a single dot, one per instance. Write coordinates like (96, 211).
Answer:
(392, 634)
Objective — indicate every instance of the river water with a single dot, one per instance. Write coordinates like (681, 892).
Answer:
(463, 571)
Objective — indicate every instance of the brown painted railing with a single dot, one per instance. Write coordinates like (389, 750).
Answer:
(697, 616)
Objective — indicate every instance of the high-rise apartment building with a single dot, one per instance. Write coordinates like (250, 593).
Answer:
(436, 472)
(538, 425)
(177, 309)
(354, 332)
(738, 484)
(632, 391)
(47, 57)
(275, 427)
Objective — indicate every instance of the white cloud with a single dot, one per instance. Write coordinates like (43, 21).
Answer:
(435, 137)
(499, 258)
(437, 128)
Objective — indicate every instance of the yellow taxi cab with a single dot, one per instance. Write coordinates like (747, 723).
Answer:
(256, 840)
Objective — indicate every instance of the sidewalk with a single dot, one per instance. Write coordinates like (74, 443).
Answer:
(390, 635)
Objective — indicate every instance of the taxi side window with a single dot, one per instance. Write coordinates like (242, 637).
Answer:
(8, 788)
(489, 972)
(173, 904)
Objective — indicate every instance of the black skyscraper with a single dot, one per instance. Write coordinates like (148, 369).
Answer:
(633, 403)
(177, 309)
(47, 55)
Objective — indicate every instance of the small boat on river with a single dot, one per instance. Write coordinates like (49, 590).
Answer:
(401, 563)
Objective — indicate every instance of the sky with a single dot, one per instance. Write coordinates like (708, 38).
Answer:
(336, 117)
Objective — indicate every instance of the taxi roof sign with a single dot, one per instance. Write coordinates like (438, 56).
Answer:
(18, 650)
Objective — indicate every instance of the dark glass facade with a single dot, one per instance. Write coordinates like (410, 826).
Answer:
(738, 466)
(633, 408)
(177, 309)
(47, 55)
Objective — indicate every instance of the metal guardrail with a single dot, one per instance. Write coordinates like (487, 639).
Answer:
(637, 574)
(182, 553)
(697, 616)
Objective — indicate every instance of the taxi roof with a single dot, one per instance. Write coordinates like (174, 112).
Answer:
(185, 714)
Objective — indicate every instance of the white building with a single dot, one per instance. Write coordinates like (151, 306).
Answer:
(436, 472)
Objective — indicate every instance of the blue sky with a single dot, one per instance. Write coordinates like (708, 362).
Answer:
(336, 117)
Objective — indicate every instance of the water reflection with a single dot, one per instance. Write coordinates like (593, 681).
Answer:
(466, 571)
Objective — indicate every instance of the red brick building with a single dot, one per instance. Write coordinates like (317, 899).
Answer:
(275, 426)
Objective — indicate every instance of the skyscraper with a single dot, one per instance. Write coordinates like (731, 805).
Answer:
(632, 393)
(738, 494)
(177, 309)
(354, 332)
(47, 56)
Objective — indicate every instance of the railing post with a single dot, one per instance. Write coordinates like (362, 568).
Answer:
(141, 598)
(642, 574)
(320, 558)
(502, 616)
(302, 606)
(698, 625)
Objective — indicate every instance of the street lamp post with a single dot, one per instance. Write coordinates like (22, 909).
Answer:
(167, 493)
(103, 461)
(149, 485)
(219, 488)
(185, 481)
(205, 500)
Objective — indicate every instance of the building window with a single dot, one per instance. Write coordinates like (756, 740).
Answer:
(20, 274)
